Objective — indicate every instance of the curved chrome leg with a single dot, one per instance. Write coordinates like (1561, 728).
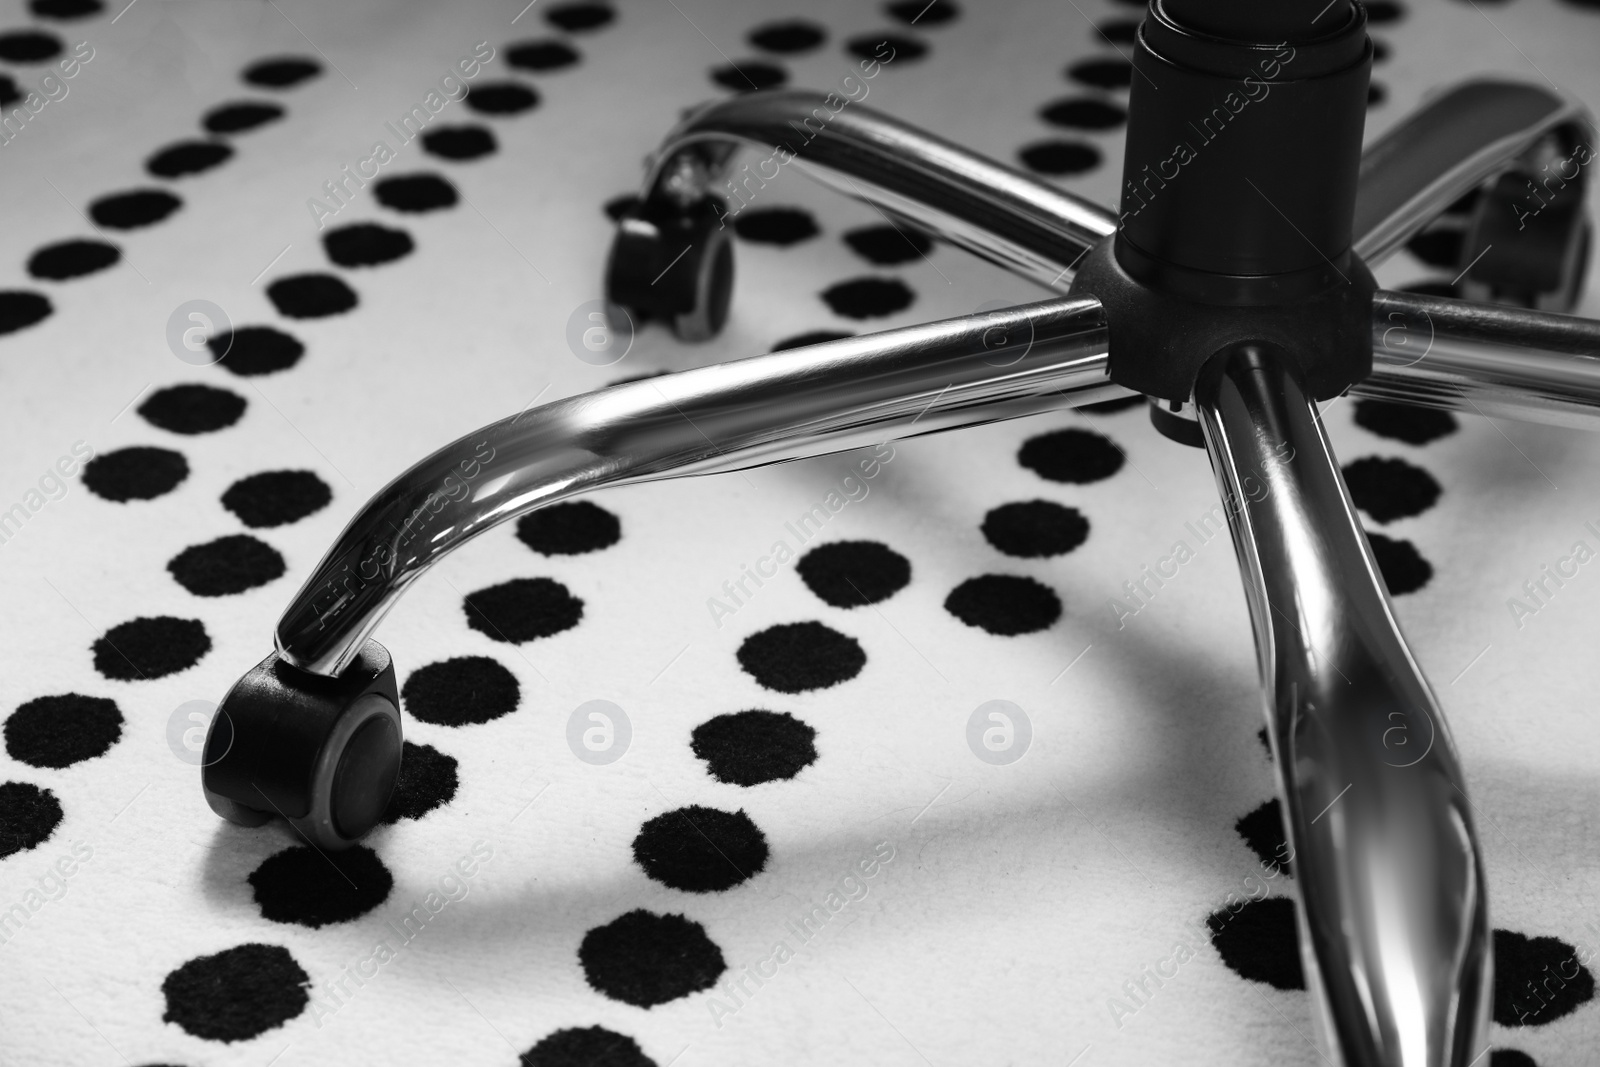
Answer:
(1394, 923)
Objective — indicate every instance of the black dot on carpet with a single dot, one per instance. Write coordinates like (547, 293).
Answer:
(460, 692)
(589, 1046)
(458, 142)
(226, 566)
(849, 574)
(1260, 942)
(9, 93)
(789, 37)
(281, 72)
(522, 609)
(29, 46)
(415, 193)
(192, 409)
(889, 245)
(1117, 31)
(923, 12)
(751, 747)
(72, 259)
(20, 309)
(1434, 288)
(427, 780)
(1266, 742)
(502, 98)
(868, 298)
(236, 994)
(58, 731)
(1262, 830)
(1102, 73)
(814, 337)
(1383, 12)
(1537, 980)
(619, 207)
(701, 850)
(311, 887)
(239, 117)
(129, 211)
(644, 959)
(1380, 50)
(1083, 113)
(1510, 1057)
(1376, 94)
(1403, 422)
(799, 656)
(1004, 604)
(775, 225)
(1074, 456)
(581, 17)
(66, 9)
(28, 816)
(276, 498)
(1389, 489)
(749, 75)
(137, 473)
(254, 350)
(311, 296)
(569, 529)
(145, 648)
(1035, 529)
(1111, 407)
(541, 55)
(889, 49)
(1437, 248)
(1403, 568)
(647, 375)
(366, 244)
(1059, 158)
(187, 157)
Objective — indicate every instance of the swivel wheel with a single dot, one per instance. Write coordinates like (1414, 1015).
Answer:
(321, 753)
(674, 264)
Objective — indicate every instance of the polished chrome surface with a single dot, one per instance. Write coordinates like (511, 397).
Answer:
(1001, 214)
(1485, 359)
(784, 405)
(1394, 923)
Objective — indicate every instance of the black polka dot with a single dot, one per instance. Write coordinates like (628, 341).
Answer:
(1074, 456)
(775, 225)
(579, 17)
(619, 207)
(1260, 942)
(281, 72)
(226, 566)
(1083, 113)
(458, 142)
(254, 350)
(751, 747)
(187, 157)
(129, 211)
(1102, 73)
(522, 609)
(1004, 604)
(145, 648)
(890, 49)
(502, 98)
(701, 850)
(28, 816)
(460, 692)
(1510, 1057)
(236, 994)
(1035, 529)
(1377, 93)
(237, 118)
(1111, 407)
(9, 93)
(66, 9)
(569, 529)
(72, 259)
(1402, 566)
(366, 244)
(1117, 31)
(276, 498)
(1262, 830)
(541, 55)
(923, 13)
(20, 309)
(29, 46)
(427, 780)
(644, 959)
(749, 75)
(889, 245)
(1449, 289)
(315, 888)
(1059, 158)
(788, 37)
(814, 337)
(1389, 489)
(868, 298)
(415, 193)
(590, 1046)
(850, 574)
(137, 473)
(311, 296)
(630, 379)
(192, 409)
(1380, 50)
(1437, 247)
(1537, 980)
(59, 731)
(1402, 422)
(1383, 12)
(798, 656)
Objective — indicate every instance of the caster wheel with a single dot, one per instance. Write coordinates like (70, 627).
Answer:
(674, 265)
(321, 753)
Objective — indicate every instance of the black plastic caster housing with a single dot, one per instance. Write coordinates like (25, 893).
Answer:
(674, 265)
(1527, 239)
(321, 753)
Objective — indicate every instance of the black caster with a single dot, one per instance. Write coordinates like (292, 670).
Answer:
(321, 753)
(674, 264)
